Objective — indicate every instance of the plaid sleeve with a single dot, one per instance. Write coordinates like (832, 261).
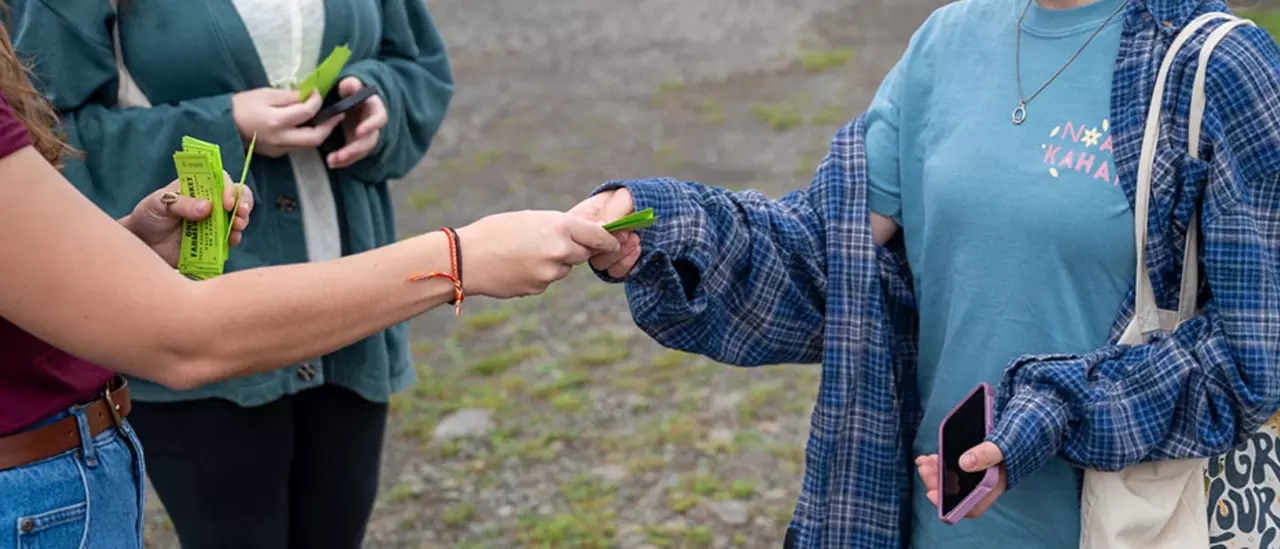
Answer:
(737, 276)
(1201, 390)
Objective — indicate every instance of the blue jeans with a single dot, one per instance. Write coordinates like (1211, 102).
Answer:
(89, 497)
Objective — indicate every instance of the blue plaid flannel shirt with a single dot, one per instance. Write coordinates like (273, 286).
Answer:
(751, 281)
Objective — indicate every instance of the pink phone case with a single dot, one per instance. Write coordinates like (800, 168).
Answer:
(989, 478)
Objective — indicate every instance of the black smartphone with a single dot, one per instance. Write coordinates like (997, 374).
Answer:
(343, 105)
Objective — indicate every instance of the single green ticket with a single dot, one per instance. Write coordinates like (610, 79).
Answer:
(631, 222)
(326, 74)
(244, 174)
(204, 247)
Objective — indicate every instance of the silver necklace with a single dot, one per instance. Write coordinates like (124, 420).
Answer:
(1020, 112)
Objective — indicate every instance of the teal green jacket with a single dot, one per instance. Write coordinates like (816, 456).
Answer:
(189, 57)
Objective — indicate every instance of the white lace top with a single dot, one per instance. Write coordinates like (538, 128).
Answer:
(288, 36)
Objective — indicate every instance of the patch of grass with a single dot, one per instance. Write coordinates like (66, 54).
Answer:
(422, 347)
(586, 490)
(502, 361)
(566, 382)
(568, 531)
(539, 448)
(698, 537)
(1267, 19)
(739, 540)
(471, 163)
(825, 60)
(421, 200)
(677, 535)
(681, 502)
(458, 515)
(830, 115)
(758, 396)
(603, 355)
(742, 489)
(679, 430)
(399, 493)
(449, 449)
(487, 318)
(645, 463)
(780, 117)
(667, 87)
(569, 402)
(712, 111)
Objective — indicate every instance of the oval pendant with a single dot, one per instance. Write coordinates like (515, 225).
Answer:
(1020, 114)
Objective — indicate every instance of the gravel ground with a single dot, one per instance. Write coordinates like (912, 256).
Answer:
(552, 422)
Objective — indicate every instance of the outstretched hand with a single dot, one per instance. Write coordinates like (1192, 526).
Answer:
(521, 253)
(979, 458)
(603, 208)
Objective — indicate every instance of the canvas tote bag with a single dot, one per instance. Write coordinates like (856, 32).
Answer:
(1159, 505)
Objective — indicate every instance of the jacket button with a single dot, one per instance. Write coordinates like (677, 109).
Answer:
(306, 372)
(27, 525)
(286, 203)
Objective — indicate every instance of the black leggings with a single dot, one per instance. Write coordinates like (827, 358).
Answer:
(298, 472)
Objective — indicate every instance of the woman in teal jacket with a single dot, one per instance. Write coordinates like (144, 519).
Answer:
(287, 458)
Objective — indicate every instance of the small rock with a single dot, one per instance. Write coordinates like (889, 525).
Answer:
(505, 511)
(768, 427)
(465, 423)
(720, 435)
(611, 473)
(731, 512)
(726, 402)
(762, 522)
(776, 493)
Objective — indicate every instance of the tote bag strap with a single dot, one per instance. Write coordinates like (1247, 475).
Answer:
(1147, 317)
(128, 94)
(1190, 257)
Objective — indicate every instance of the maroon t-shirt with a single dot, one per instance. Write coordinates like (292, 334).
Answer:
(36, 380)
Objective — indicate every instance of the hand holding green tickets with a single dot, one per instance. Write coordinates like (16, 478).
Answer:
(633, 221)
(205, 246)
(326, 74)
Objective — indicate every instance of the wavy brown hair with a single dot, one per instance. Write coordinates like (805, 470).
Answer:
(29, 106)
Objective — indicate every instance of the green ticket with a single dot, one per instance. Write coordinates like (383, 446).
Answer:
(631, 222)
(326, 74)
(204, 245)
(244, 174)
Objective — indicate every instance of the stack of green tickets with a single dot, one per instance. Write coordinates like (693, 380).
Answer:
(632, 222)
(205, 243)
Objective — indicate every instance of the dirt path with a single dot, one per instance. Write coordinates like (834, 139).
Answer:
(575, 430)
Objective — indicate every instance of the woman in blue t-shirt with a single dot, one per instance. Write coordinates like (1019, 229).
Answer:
(1001, 153)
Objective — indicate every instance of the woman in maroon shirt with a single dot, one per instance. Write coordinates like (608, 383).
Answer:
(77, 289)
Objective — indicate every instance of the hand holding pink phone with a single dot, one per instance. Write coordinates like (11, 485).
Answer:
(959, 492)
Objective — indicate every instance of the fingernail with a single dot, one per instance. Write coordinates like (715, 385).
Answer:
(203, 206)
(967, 461)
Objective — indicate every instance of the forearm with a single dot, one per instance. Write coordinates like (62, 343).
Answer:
(90, 288)
(263, 319)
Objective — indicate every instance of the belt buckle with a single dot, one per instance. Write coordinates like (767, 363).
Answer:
(112, 407)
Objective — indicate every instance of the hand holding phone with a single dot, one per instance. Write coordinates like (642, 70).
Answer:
(959, 492)
(343, 105)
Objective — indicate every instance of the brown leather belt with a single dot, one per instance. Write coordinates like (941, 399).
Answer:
(58, 437)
